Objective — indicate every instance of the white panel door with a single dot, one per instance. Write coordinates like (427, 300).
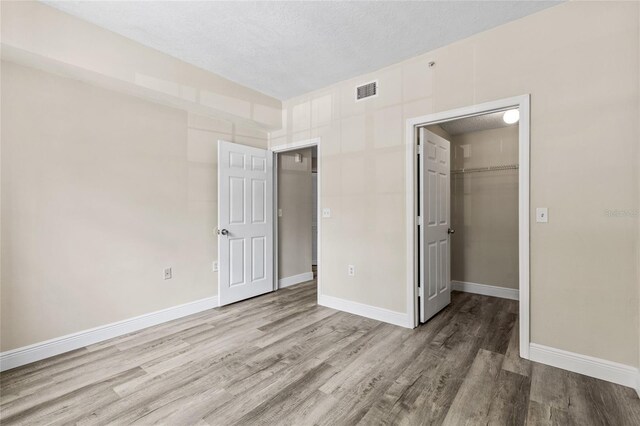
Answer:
(245, 222)
(435, 264)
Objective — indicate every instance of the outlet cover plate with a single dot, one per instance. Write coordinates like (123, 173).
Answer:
(542, 215)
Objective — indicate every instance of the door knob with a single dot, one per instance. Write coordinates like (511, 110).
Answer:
(451, 231)
(223, 232)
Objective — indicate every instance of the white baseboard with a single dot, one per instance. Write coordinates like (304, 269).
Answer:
(610, 371)
(368, 311)
(295, 279)
(486, 290)
(38, 351)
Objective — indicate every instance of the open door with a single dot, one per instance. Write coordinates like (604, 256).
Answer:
(245, 222)
(435, 212)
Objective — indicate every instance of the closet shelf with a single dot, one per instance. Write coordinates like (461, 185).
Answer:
(485, 169)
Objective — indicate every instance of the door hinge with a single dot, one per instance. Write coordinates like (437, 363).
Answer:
(419, 220)
(419, 151)
(421, 292)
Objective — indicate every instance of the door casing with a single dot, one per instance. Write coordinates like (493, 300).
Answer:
(411, 136)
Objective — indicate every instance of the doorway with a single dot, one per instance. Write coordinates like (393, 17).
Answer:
(429, 222)
(293, 157)
(296, 219)
(250, 209)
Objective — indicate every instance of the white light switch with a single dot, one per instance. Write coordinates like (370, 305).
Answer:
(326, 212)
(279, 212)
(542, 215)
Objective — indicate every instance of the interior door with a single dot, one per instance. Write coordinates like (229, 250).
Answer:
(245, 222)
(435, 213)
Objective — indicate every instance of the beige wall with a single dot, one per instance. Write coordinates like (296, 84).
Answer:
(100, 192)
(295, 202)
(83, 244)
(42, 37)
(637, 180)
(484, 208)
(107, 182)
(579, 62)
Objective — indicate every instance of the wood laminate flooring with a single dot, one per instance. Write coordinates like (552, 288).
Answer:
(281, 359)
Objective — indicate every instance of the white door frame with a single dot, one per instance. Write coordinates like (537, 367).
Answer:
(307, 143)
(523, 104)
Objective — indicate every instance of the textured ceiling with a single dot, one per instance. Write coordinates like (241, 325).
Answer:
(475, 124)
(285, 49)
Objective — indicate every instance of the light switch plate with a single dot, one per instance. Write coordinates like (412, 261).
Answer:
(215, 266)
(279, 212)
(326, 212)
(542, 215)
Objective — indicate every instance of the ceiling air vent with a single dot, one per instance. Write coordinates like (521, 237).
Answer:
(367, 90)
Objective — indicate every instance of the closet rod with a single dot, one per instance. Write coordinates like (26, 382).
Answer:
(484, 169)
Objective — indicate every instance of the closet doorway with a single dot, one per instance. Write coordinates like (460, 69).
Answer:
(469, 214)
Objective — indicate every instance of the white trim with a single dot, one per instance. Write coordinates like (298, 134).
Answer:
(613, 372)
(523, 103)
(295, 279)
(307, 143)
(411, 171)
(385, 315)
(276, 221)
(38, 351)
(485, 289)
(638, 384)
(296, 145)
(523, 223)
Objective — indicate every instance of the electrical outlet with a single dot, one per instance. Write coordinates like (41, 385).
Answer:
(351, 270)
(167, 273)
(326, 212)
(215, 266)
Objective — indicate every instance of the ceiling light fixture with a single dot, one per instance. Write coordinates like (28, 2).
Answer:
(511, 116)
